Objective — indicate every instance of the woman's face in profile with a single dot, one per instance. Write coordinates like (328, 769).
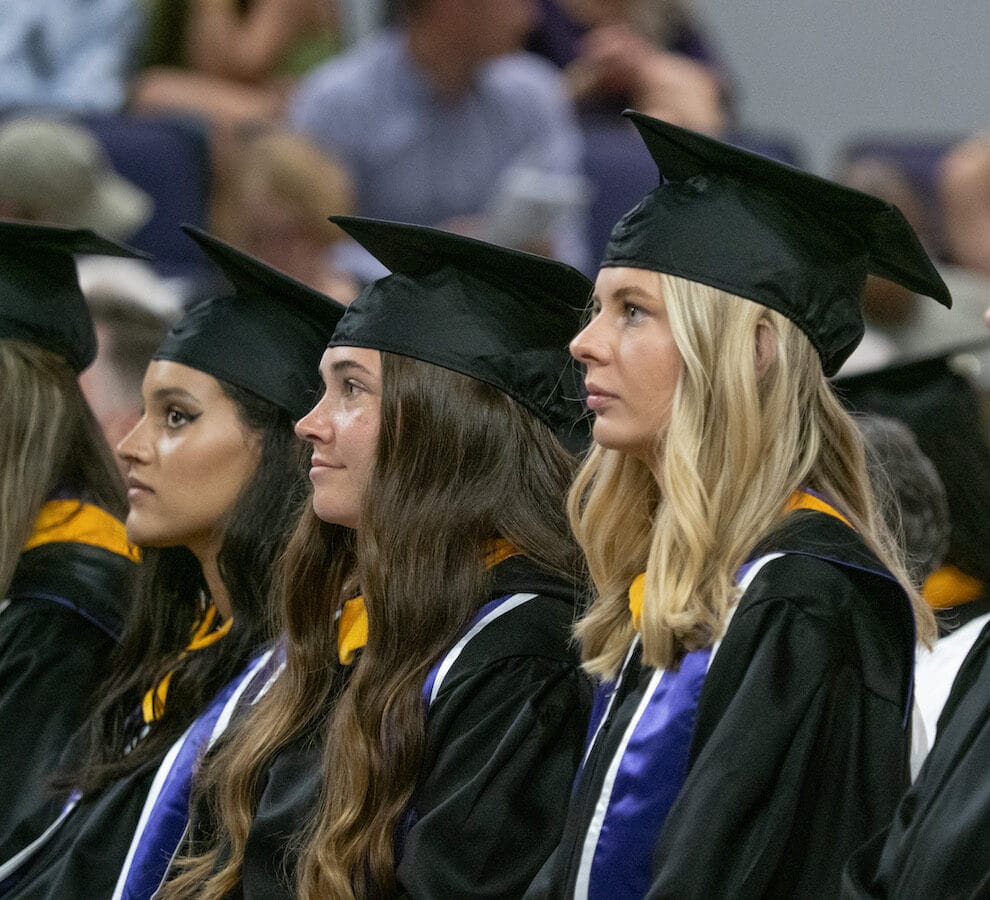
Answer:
(343, 429)
(187, 460)
(632, 363)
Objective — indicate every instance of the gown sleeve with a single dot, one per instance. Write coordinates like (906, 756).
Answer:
(938, 844)
(51, 662)
(797, 759)
(503, 745)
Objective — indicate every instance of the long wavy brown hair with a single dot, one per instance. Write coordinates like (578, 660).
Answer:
(458, 464)
(48, 438)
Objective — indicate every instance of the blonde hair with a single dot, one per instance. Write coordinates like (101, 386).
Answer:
(739, 443)
(298, 172)
(48, 434)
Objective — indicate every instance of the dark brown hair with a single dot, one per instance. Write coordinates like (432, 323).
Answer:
(458, 464)
(167, 605)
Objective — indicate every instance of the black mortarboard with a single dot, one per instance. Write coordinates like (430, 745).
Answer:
(935, 398)
(40, 298)
(501, 316)
(763, 230)
(266, 336)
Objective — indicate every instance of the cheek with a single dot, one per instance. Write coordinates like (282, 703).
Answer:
(357, 437)
(197, 488)
(663, 382)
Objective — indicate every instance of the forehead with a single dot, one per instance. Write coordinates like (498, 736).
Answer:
(334, 357)
(613, 279)
(166, 375)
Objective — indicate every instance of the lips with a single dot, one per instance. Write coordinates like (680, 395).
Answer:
(597, 397)
(318, 463)
(136, 487)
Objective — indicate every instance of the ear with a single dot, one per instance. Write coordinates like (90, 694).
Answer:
(766, 347)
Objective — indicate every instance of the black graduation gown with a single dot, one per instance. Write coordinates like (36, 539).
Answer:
(83, 859)
(504, 737)
(66, 606)
(800, 742)
(131, 830)
(938, 844)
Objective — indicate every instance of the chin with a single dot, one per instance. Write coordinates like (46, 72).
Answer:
(334, 514)
(640, 448)
(145, 534)
(146, 539)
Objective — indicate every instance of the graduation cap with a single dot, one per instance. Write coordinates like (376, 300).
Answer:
(500, 316)
(763, 230)
(267, 335)
(40, 298)
(934, 397)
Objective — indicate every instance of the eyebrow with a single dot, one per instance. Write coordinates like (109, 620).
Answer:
(631, 292)
(173, 393)
(346, 365)
(626, 293)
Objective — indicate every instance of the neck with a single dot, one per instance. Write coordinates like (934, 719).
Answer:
(217, 590)
(441, 59)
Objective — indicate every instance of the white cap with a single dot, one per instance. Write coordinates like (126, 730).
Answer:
(60, 174)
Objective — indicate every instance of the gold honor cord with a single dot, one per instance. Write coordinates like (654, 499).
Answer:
(352, 623)
(153, 705)
(948, 586)
(75, 522)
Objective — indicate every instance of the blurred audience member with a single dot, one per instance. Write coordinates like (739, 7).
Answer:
(964, 182)
(131, 311)
(884, 302)
(284, 190)
(429, 117)
(911, 494)
(231, 61)
(56, 172)
(68, 55)
(938, 401)
(913, 503)
(646, 54)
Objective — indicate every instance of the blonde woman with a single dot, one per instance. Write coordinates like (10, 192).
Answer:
(753, 631)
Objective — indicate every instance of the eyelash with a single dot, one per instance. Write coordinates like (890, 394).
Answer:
(184, 416)
(628, 311)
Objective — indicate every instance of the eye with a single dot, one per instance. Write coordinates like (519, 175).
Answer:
(352, 387)
(632, 313)
(176, 418)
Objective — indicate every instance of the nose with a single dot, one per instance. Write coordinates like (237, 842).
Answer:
(133, 447)
(588, 345)
(315, 426)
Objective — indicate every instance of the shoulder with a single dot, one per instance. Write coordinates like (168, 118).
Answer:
(335, 102)
(527, 79)
(523, 632)
(350, 71)
(827, 571)
(826, 604)
(90, 582)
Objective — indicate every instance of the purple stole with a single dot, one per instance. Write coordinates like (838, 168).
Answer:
(646, 773)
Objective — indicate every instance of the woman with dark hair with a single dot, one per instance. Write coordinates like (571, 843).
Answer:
(423, 738)
(753, 629)
(215, 478)
(66, 568)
